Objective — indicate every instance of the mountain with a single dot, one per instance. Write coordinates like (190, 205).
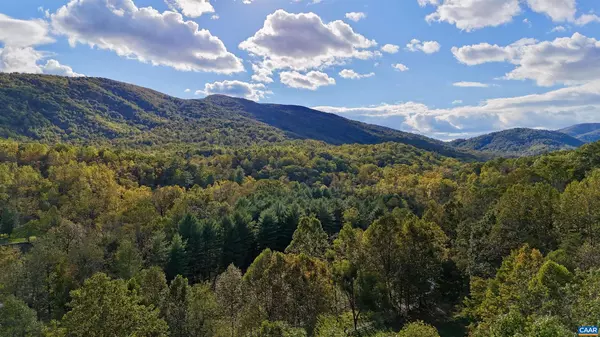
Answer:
(519, 142)
(97, 110)
(588, 132)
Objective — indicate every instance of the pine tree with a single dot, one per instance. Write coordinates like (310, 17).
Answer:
(177, 261)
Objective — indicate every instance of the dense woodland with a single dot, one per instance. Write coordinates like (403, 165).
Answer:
(297, 238)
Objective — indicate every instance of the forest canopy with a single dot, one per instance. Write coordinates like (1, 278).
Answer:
(299, 238)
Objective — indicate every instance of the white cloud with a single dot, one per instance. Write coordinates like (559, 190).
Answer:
(144, 34)
(351, 74)
(187, 90)
(311, 80)
(215, 17)
(355, 16)
(567, 60)
(390, 48)
(262, 73)
(557, 10)
(473, 14)
(428, 47)
(252, 91)
(53, 67)
(27, 60)
(587, 18)
(303, 41)
(470, 84)
(551, 110)
(456, 102)
(23, 33)
(470, 15)
(191, 8)
(20, 60)
(558, 29)
(18, 55)
(400, 67)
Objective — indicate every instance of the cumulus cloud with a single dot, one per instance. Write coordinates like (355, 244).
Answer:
(456, 102)
(311, 80)
(252, 91)
(390, 48)
(191, 8)
(470, 15)
(144, 34)
(551, 110)
(53, 67)
(400, 67)
(28, 60)
(20, 60)
(351, 74)
(355, 16)
(567, 60)
(18, 55)
(23, 33)
(428, 47)
(557, 10)
(470, 84)
(303, 42)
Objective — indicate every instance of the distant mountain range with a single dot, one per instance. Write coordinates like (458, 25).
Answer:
(97, 110)
(525, 142)
(588, 132)
(519, 142)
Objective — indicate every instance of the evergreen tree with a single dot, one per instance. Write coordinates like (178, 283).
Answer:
(177, 261)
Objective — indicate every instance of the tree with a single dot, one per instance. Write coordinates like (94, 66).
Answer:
(176, 304)
(309, 238)
(127, 260)
(17, 319)
(579, 210)
(349, 272)
(406, 254)
(177, 260)
(9, 220)
(153, 287)
(279, 329)
(202, 312)
(228, 291)
(525, 215)
(105, 307)
(418, 329)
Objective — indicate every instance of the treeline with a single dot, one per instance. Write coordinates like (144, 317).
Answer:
(296, 239)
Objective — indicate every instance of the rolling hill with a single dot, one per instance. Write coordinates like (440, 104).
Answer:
(97, 110)
(519, 142)
(588, 132)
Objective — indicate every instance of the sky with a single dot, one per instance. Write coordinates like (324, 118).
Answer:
(443, 68)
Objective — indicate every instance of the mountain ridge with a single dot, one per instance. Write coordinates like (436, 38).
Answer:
(586, 132)
(91, 109)
(519, 142)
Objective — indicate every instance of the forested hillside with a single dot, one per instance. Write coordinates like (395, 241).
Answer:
(88, 110)
(296, 239)
(519, 142)
(587, 132)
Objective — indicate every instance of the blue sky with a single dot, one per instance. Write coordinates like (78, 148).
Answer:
(478, 65)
